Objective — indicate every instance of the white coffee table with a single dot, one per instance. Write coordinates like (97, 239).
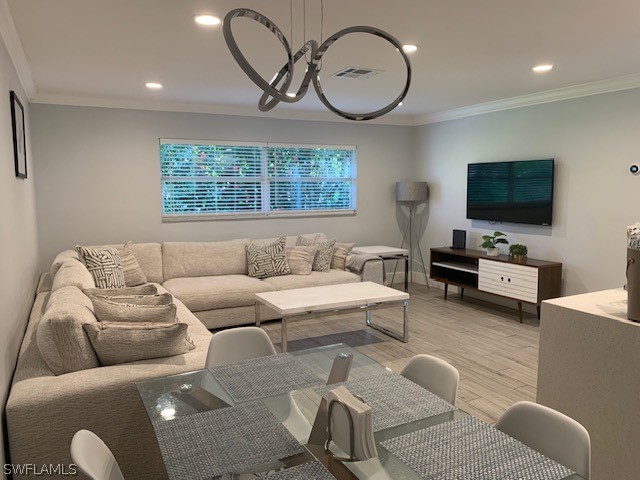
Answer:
(333, 299)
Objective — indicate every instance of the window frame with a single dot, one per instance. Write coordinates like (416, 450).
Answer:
(265, 182)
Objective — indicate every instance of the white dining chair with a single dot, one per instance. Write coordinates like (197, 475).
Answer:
(237, 344)
(93, 457)
(244, 343)
(549, 432)
(433, 374)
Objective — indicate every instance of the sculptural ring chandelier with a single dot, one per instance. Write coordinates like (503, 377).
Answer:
(274, 94)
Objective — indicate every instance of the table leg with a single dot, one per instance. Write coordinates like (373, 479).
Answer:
(406, 274)
(405, 321)
(461, 293)
(446, 290)
(283, 335)
(520, 311)
(404, 336)
(257, 314)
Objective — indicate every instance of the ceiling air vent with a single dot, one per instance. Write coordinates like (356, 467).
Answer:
(357, 73)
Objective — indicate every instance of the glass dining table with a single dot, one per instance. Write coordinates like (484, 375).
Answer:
(187, 396)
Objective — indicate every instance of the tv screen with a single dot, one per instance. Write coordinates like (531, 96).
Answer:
(516, 192)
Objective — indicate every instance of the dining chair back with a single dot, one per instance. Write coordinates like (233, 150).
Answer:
(244, 343)
(433, 374)
(93, 457)
(549, 432)
(237, 344)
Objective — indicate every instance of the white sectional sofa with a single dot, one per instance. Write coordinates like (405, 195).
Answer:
(211, 289)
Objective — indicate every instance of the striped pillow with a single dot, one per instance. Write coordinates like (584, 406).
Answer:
(105, 266)
(301, 259)
(267, 260)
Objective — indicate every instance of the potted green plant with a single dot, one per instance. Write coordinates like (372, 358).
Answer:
(517, 252)
(490, 242)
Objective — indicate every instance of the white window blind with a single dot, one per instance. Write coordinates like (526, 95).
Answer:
(202, 180)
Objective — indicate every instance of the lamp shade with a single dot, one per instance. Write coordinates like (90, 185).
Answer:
(411, 191)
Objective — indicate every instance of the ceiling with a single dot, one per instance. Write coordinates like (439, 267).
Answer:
(91, 52)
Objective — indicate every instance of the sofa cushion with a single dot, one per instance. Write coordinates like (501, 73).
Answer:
(104, 264)
(72, 273)
(223, 291)
(62, 342)
(267, 260)
(300, 259)
(117, 343)
(316, 279)
(133, 274)
(149, 257)
(340, 252)
(203, 259)
(108, 310)
(59, 260)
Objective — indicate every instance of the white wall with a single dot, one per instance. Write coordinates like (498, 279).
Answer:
(99, 176)
(594, 141)
(18, 234)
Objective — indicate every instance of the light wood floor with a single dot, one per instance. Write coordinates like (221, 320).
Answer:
(497, 357)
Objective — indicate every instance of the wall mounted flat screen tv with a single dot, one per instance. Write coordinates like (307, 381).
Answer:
(516, 192)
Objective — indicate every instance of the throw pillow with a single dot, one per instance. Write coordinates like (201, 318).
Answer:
(322, 262)
(302, 241)
(301, 259)
(113, 311)
(117, 343)
(267, 260)
(109, 292)
(161, 299)
(104, 264)
(340, 252)
(133, 274)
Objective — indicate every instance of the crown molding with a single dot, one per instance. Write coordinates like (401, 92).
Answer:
(616, 84)
(16, 52)
(236, 110)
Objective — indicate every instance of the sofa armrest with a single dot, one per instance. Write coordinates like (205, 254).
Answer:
(369, 268)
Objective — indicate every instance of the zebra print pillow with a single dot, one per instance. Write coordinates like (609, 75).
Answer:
(268, 260)
(105, 266)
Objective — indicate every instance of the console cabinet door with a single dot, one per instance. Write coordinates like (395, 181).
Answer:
(491, 277)
(507, 279)
(522, 282)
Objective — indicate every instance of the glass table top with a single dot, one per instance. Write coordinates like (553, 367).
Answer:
(175, 396)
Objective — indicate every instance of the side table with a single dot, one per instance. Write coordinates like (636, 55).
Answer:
(388, 253)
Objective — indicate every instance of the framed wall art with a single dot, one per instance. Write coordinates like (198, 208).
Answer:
(19, 140)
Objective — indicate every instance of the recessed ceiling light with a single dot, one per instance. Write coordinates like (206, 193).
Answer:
(409, 48)
(153, 85)
(291, 94)
(400, 104)
(207, 20)
(542, 68)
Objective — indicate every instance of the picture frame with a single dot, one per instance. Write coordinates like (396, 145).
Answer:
(19, 136)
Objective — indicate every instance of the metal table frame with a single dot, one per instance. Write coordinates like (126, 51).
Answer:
(402, 336)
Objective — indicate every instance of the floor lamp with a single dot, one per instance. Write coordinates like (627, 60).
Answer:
(413, 194)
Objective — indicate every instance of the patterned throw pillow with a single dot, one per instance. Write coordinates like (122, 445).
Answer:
(133, 274)
(322, 262)
(305, 241)
(105, 266)
(300, 259)
(268, 260)
(340, 252)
